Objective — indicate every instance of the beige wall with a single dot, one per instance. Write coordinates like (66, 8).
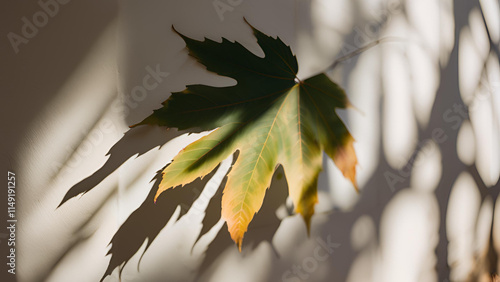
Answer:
(63, 110)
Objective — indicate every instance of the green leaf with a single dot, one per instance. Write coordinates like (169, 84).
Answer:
(270, 116)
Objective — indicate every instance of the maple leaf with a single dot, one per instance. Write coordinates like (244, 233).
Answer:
(270, 116)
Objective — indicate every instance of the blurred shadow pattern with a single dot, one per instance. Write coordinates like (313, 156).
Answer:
(376, 200)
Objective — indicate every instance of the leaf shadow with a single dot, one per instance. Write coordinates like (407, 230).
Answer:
(136, 230)
(262, 228)
(135, 142)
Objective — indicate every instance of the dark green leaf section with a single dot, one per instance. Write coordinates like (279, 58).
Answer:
(322, 96)
(260, 82)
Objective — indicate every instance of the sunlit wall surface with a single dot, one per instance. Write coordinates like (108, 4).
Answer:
(425, 116)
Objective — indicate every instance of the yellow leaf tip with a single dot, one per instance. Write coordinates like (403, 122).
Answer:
(307, 221)
(308, 228)
(355, 185)
(239, 242)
